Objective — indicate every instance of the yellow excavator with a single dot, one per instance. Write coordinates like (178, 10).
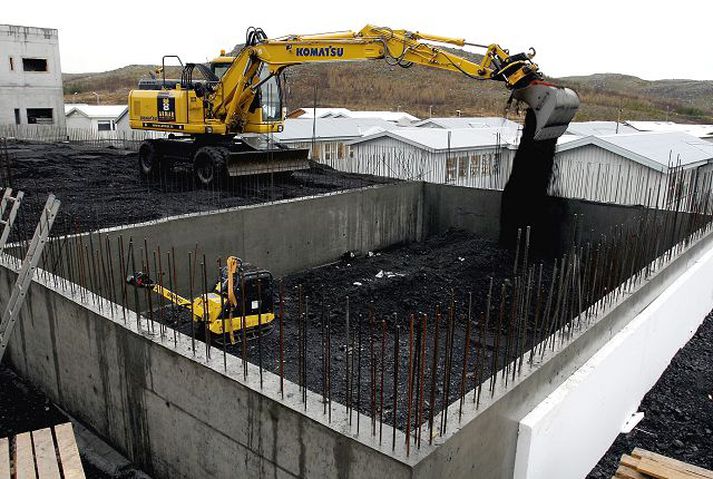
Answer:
(220, 116)
(242, 301)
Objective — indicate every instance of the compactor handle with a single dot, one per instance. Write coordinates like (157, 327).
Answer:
(140, 280)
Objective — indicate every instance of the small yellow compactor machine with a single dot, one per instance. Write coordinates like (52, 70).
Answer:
(221, 116)
(242, 299)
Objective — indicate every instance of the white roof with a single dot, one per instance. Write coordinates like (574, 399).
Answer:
(320, 112)
(95, 111)
(656, 150)
(301, 129)
(468, 122)
(587, 128)
(701, 131)
(393, 116)
(436, 139)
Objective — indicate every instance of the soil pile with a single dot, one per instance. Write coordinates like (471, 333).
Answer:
(525, 201)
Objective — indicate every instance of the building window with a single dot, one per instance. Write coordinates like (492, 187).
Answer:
(34, 64)
(474, 165)
(104, 125)
(12, 64)
(17, 116)
(463, 167)
(451, 169)
(39, 116)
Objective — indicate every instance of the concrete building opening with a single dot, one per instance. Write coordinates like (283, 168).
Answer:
(12, 64)
(39, 116)
(17, 116)
(34, 64)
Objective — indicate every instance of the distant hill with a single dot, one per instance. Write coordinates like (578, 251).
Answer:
(378, 86)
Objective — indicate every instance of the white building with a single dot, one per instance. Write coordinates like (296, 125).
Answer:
(468, 122)
(327, 138)
(400, 118)
(701, 131)
(632, 168)
(477, 157)
(30, 77)
(100, 119)
(588, 128)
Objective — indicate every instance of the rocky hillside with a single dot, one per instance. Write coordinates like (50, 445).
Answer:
(378, 86)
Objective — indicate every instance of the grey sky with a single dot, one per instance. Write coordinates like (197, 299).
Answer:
(571, 38)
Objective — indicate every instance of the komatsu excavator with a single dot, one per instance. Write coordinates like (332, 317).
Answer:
(221, 123)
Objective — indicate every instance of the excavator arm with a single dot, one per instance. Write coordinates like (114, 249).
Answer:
(263, 58)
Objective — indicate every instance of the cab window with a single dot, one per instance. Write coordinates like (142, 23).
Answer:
(219, 69)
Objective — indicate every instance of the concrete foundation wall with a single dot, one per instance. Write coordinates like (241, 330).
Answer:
(613, 382)
(295, 235)
(484, 442)
(287, 236)
(176, 416)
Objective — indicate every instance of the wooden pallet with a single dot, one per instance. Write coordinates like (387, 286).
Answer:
(42, 454)
(643, 464)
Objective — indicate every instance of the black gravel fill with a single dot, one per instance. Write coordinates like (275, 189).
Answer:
(101, 187)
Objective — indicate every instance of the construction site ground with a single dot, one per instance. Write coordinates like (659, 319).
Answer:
(101, 187)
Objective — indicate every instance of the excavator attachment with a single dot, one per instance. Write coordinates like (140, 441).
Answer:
(273, 160)
(554, 107)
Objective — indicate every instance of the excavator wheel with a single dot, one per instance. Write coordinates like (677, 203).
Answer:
(209, 166)
(150, 161)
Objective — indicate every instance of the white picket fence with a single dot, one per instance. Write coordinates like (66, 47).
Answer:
(128, 140)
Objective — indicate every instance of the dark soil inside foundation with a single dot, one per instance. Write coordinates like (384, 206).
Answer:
(389, 286)
(678, 411)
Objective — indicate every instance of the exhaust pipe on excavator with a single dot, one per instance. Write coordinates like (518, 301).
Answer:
(553, 106)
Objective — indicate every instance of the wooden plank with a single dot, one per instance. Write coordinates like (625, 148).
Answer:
(674, 463)
(4, 458)
(45, 455)
(659, 470)
(624, 472)
(24, 459)
(629, 461)
(68, 452)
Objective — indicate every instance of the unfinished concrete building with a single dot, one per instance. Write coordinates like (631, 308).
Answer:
(30, 77)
